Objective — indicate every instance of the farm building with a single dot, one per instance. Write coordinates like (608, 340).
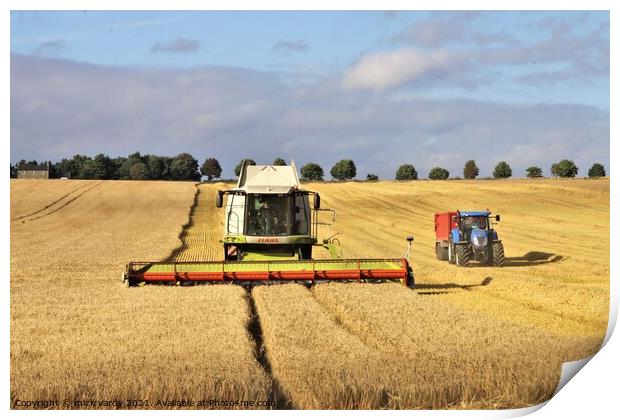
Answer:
(31, 171)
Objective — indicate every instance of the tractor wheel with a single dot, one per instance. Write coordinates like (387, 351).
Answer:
(441, 252)
(498, 254)
(463, 255)
(488, 258)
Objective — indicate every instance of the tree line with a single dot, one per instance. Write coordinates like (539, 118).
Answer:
(184, 167)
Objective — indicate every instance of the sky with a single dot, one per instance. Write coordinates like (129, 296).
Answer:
(381, 88)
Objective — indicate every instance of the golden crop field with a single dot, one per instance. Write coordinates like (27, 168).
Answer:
(475, 337)
(78, 333)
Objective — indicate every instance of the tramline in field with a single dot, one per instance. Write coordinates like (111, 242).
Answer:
(270, 231)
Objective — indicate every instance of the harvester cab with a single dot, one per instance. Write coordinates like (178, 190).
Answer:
(269, 217)
(270, 230)
(465, 236)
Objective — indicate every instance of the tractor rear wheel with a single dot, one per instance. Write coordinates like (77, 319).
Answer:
(463, 255)
(441, 252)
(498, 254)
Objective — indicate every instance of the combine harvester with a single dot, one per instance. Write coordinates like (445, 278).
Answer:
(465, 236)
(270, 231)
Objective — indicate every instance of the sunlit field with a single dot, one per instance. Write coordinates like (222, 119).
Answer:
(466, 337)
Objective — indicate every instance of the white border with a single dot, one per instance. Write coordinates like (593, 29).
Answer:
(592, 394)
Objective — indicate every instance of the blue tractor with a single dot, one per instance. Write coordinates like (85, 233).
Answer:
(472, 238)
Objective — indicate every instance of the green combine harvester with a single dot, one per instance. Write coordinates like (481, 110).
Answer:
(270, 231)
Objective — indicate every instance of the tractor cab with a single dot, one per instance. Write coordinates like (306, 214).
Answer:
(474, 227)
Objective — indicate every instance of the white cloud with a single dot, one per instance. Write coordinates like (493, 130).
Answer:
(60, 108)
(380, 71)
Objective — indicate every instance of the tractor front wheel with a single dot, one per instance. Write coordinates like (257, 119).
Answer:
(498, 254)
(463, 255)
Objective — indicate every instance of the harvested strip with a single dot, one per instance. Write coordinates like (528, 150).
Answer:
(454, 357)
(318, 364)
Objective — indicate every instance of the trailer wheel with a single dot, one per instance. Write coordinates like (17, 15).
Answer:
(463, 255)
(441, 252)
(498, 254)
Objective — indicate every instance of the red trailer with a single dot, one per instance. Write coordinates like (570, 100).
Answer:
(444, 223)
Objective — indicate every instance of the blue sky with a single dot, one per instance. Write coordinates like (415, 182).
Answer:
(383, 88)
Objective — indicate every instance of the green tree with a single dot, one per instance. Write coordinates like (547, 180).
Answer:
(470, 171)
(372, 177)
(343, 169)
(597, 170)
(564, 169)
(312, 172)
(91, 169)
(211, 168)
(156, 166)
(139, 171)
(406, 172)
(13, 171)
(184, 168)
(279, 162)
(534, 172)
(438, 173)
(104, 165)
(117, 163)
(66, 168)
(247, 161)
(78, 167)
(502, 170)
(125, 167)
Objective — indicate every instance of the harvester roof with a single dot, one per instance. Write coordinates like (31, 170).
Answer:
(268, 179)
(469, 213)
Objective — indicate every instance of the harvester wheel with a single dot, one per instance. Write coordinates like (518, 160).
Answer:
(441, 252)
(463, 255)
(498, 254)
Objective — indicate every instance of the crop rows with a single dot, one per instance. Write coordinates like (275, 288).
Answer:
(478, 337)
(78, 333)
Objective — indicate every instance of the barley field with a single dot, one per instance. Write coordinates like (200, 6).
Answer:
(476, 337)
